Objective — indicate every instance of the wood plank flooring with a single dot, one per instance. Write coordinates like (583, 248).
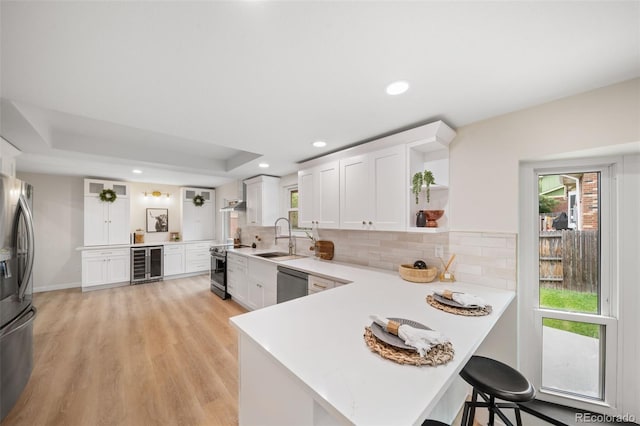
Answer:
(157, 353)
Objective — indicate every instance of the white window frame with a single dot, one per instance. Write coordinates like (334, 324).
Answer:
(286, 208)
(530, 314)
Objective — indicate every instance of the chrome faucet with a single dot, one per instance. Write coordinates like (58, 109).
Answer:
(291, 244)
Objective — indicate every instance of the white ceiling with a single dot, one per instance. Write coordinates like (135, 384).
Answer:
(200, 93)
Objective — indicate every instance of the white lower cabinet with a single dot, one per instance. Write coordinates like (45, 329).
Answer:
(251, 282)
(262, 283)
(197, 257)
(174, 259)
(237, 285)
(101, 267)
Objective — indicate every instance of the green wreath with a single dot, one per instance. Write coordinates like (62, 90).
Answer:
(198, 200)
(108, 195)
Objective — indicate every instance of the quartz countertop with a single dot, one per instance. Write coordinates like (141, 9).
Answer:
(146, 244)
(319, 340)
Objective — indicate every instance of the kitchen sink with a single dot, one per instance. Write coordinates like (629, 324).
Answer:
(272, 254)
(279, 256)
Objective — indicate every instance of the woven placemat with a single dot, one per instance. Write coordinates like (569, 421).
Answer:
(459, 311)
(439, 354)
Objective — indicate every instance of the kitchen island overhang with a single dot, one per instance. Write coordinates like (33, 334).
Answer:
(305, 362)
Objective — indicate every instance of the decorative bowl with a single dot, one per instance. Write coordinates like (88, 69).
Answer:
(415, 275)
(432, 217)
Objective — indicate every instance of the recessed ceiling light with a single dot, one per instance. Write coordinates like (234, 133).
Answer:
(397, 88)
(136, 171)
(263, 165)
(319, 144)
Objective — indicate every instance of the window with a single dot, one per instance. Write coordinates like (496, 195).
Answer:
(568, 327)
(293, 207)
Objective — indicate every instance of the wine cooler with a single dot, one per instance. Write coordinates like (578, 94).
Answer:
(147, 264)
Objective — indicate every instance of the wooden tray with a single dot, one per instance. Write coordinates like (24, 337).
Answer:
(324, 249)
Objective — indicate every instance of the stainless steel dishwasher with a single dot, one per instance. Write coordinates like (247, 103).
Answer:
(291, 284)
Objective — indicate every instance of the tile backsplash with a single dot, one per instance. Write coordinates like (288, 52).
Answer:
(481, 257)
(485, 258)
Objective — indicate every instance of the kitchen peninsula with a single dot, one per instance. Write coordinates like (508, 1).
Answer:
(305, 362)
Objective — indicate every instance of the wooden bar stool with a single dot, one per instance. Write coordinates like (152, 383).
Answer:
(492, 379)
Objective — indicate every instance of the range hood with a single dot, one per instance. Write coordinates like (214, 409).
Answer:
(234, 206)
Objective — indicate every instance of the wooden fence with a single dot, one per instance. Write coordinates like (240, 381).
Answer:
(569, 260)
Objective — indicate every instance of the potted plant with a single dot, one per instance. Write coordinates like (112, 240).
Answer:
(419, 181)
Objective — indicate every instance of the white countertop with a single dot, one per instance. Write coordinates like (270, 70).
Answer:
(319, 339)
(151, 243)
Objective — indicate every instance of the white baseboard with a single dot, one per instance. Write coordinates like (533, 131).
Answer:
(55, 287)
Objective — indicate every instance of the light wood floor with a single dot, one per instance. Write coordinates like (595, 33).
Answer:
(158, 353)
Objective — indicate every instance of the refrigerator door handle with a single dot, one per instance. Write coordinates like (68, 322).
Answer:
(28, 219)
(22, 320)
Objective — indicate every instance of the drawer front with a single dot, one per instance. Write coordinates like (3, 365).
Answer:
(174, 248)
(105, 253)
(198, 255)
(319, 284)
(239, 261)
(198, 247)
(197, 266)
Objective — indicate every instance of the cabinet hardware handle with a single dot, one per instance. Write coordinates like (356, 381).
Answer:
(319, 286)
(364, 222)
(370, 223)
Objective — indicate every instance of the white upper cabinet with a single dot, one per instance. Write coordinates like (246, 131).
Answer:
(373, 190)
(93, 187)
(319, 196)
(198, 222)
(263, 200)
(106, 223)
(372, 182)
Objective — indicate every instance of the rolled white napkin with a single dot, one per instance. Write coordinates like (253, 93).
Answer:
(422, 340)
(465, 299)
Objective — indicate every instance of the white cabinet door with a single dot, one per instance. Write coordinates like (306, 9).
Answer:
(118, 269)
(254, 203)
(191, 222)
(255, 296)
(94, 271)
(319, 202)
(174, 259)
(263, 200)
(106, 222)
(96, 222)
(262, 283)
(388, 183)
(355, 199)
(119, 213)
(207, 216)
(373, 190)
(327, 209)
(105, 267)
(306, 198)
(198, 222)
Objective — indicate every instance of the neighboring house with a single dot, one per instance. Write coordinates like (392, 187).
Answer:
(576, 194)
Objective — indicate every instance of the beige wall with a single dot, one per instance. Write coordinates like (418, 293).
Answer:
(58, 206)
(140, 204)
(484, 156)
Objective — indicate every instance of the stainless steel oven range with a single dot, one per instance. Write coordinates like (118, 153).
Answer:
(218, 271)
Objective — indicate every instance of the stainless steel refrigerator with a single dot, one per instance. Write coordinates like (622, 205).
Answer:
(16, 290)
